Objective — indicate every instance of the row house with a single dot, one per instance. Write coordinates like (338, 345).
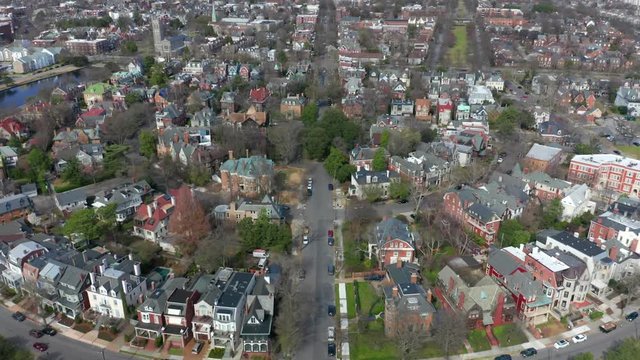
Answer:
(532, 300)
(127, 197)
(362, 156)
(392, 242)
(608, 172)
(612, 225)
(543, 186)
(463, 206)
(408, 307)
(229, 311)
(258, 318)
(13, 207)
(116, 287)
(401, 107)
(151, 319)
(421, 168)
(178, 314)
(468, 291)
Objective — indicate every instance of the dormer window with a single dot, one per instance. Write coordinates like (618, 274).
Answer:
(113, 293)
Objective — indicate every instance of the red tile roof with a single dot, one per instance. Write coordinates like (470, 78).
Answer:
(259, 95)
(12, 126)
(96, 111)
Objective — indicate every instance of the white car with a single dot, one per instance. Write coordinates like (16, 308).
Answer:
(305, 240)
(579, 338)
(562, 343)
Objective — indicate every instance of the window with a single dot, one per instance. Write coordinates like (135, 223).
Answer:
(145, 317)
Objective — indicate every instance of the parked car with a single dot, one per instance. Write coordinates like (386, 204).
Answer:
(301, 274)
(579, 338)
(19, 316)
(560, 344)
(608, 327)
(374, 277)
(528, 352)
(305, 239)
(331, 349)
(49, 331)
(503, 357)
(331, 269)
(330, 187)
(331, 310)
(35, 333)
(632, 316)
(500, 160)
(330, 241)
(402, 201)
(330, 233)
(331, 334)
(42, 347)
(197, 347)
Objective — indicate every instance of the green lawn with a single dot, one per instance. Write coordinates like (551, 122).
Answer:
(176, 351)
(458, 53)
(351, 301)
(478, 340)
(354, 259)
(630, 151)
(370, 302)
(509, 335)
(371, 345)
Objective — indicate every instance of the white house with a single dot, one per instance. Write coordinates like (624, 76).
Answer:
(479, 95)
(577, 201)
(495, 82)
(229, 309)
(540, 115)
(116, 287)
(364, 182)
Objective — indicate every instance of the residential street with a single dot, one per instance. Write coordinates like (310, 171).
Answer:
(317, 290)
(597, 343)
(60, 347)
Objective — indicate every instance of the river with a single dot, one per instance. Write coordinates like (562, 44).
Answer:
(17, 96)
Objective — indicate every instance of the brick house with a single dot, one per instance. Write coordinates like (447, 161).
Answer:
(606, 172)
(178, 314)
(73, 137)
(10, 127)
(248, 176)
(542, 158)
(392, 242)
(423, 109)
(477, 297)
(258, 97)
(407, 305)
(151, 318)
(353, 107)
(362, 157)
(463, 206)
(14, 207)
(228, 103)
(533, 302)
(292, 105)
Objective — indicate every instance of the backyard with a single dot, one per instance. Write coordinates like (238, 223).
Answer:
(354, 258)
(509, 335)
(458, 53)
(370, 302)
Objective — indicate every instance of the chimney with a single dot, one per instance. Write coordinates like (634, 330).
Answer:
(429, 295)
(387, 173)
(185, 137)
(500, 178)
(153, 286)
(149, 210)
(247, 152)
(368, 179)
(130, 256)
(394, 291)
(576, 234)
(102, 269)
(124, 286)
(176, 137)
(613, 253)
(137, 271)
(399, 264)
(231, 155)
(92, 275)
(414, 278)
(634, 245)
(84, 256)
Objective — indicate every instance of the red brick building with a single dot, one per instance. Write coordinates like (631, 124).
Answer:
(542, 158)
(606, 172)
(392, 243)
(463, 207)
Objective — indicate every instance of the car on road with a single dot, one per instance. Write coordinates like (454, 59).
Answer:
(301, 274)
(560, 344)
(503, 357)
(330, 187)
(617, 152)
(18, 316)
(608, 327)
(35, 333)
(331, 310)
(331, 269)
(331, 334)
(632, 316)
(528, 352)
(330, 241)
(374, 277)
(500, 160)
(305, 239)
(48, 330)
(331, 349)
(197, 347)
(579, 338)
(329, 233)
(402, 201)
(42, 347)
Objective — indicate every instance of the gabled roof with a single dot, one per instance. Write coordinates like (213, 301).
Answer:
(391, 229)
(259, 95)
(250, 167)
(543, 152)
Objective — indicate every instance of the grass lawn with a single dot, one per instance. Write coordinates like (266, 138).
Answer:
(176, 351)
(216, 353)
(370, 302)
(458, 53)
(509, 335)
(353, 258)
(630, 150)
(351, 301)
(478, 340)
(371, 345)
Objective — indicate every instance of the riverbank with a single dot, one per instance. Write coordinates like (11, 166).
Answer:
(19, 80)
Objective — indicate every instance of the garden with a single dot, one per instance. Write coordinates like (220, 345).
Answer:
(509, 335)
(478, 340)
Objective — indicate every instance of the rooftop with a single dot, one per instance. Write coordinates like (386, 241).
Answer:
(604, 159)
(542, 152)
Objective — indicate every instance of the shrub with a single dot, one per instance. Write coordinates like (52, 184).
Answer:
(159, 341)
(128, 337)
(78, 319)
(595, 315)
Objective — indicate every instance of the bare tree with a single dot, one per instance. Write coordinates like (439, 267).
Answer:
(409, 336)
(288, 323)
(285, 140)
(449, 331)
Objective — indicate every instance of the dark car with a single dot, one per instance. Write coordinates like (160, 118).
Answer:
(503, 357)
(329, 233)
(331, 349)
(36, 333)
(331, 269)
(528, 352)
(18, 316)
(330, 187)
(330, 241)
(374, 277)
(403, 201)
(42, 347)
(632, 316)
(49, 331)
(331, 310)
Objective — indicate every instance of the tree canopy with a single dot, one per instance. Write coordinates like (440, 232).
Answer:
(399, 190)
(188, 220)
(512, 233)
(263, 234)
(552, 213)
(10, 351)
(334, 127)
(628, 349)
(337, 165)
(147, 144)
(510, 118)
(379, 162)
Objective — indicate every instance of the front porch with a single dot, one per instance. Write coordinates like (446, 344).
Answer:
(176, 336)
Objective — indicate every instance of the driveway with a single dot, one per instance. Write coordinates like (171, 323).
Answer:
(317, 289)
(60, 347)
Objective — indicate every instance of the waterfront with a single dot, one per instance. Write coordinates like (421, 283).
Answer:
(17, 96)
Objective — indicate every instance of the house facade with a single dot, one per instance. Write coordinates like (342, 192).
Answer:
(248, 176)
(392, 242)
(367, 184)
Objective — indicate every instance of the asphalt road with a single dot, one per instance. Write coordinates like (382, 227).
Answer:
(60, 347)
(597, 343)
(317, 289)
